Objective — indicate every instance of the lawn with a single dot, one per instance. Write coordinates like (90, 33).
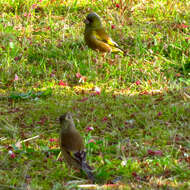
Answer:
(133, 111)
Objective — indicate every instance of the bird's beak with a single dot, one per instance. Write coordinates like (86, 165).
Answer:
(86, 21)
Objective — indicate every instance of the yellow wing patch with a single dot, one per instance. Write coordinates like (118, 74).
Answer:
(94, 33)
(113, 45)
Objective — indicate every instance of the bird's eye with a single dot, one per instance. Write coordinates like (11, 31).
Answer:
(89, 19)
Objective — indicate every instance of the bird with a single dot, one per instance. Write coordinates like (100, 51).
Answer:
(72, 145)
(95, 36)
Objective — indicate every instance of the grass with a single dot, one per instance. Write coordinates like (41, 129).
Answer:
(140, 119)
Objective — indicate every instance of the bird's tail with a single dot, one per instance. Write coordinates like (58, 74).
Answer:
(81, 157)
(78, 160)
(88, 170)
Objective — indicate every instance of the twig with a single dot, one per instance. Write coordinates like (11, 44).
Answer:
(108, 186)
(35, 137)
(18, 144)
(3, 138)
(58, 155)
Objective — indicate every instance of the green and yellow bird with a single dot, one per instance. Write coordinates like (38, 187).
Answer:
(96, 37)
(72, 145)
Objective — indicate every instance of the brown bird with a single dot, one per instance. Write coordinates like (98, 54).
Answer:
(72, 146)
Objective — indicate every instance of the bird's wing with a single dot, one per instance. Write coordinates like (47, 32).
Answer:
(78, 160)
(70, 160)
(102, 36)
